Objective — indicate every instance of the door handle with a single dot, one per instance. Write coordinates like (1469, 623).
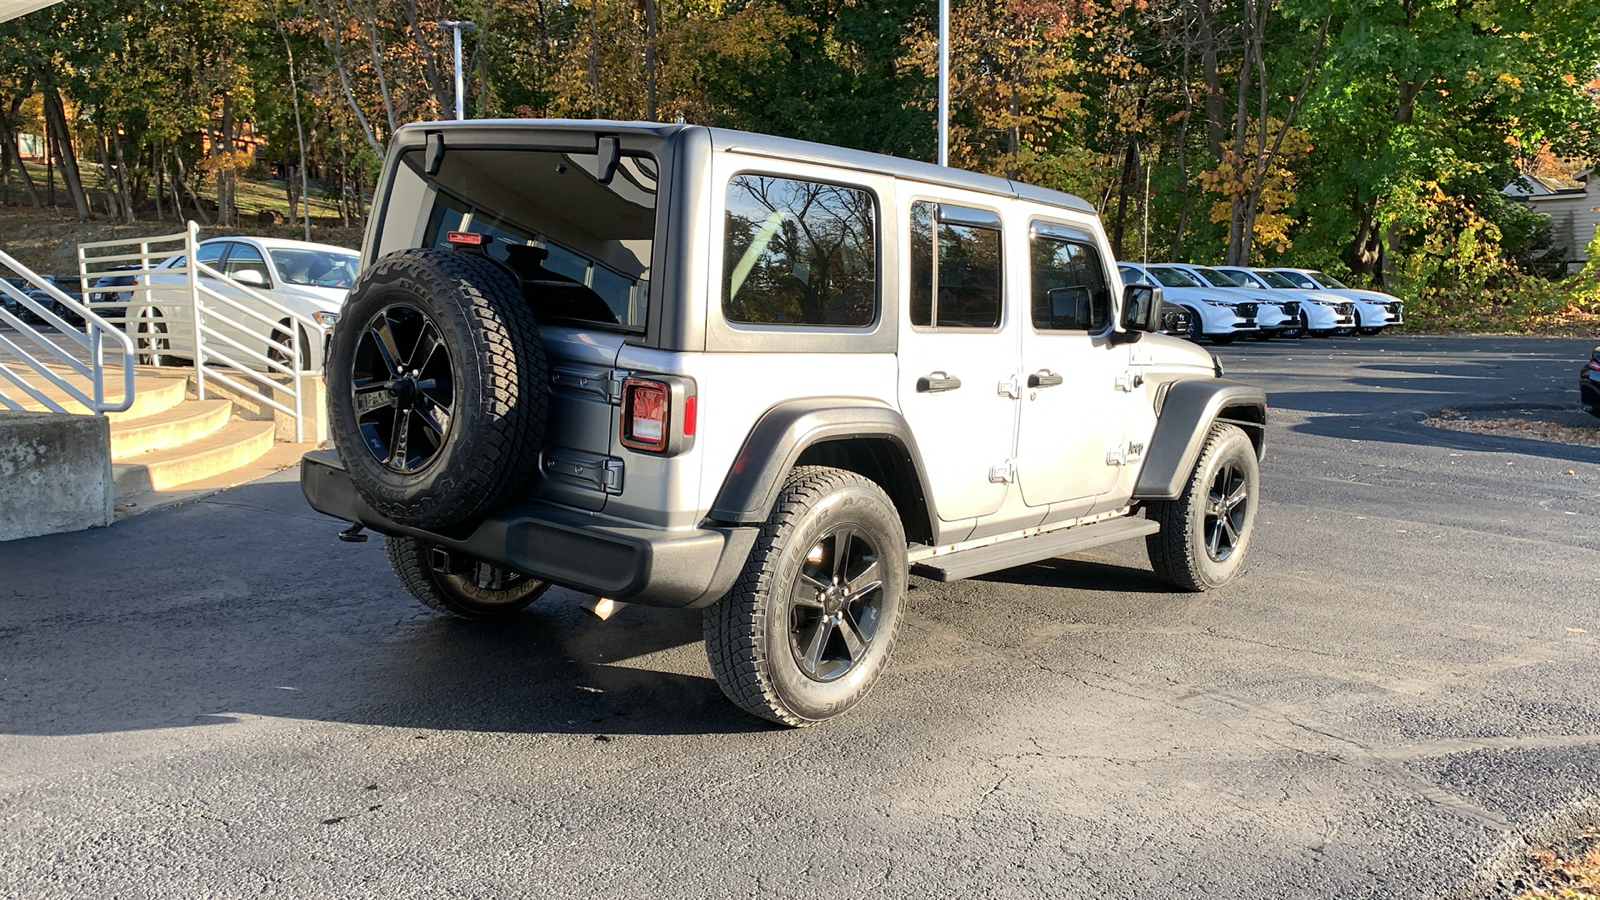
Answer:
(935, 382)
(1044, 378)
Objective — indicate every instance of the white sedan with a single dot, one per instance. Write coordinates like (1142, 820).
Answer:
(1321, 313)
(1374, 309)
(1212, 313)
(309, 280)
(1276, 314)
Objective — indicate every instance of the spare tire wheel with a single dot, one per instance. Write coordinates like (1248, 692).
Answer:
(436, 387)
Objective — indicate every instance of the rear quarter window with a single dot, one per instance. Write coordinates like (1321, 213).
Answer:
(799, 252)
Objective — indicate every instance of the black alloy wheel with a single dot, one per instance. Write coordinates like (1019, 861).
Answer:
(1196, 327)
(836, 604)
(1205, 532)
(402, 385)
(1226, 509)
(810, 623)
(437, 387)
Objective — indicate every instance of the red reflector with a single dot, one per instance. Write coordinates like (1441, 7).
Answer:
(690, 407)
(1594, 363)
(465, 237)
(645, 408)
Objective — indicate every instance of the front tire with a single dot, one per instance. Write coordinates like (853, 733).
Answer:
(467, 590)
(809, 626)
(151, 342)
(1205, 533)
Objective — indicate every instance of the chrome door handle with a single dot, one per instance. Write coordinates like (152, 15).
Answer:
(1044, 378)
(934, 382)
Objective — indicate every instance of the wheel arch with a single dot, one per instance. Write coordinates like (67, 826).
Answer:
(1185, 414)
(862, 436)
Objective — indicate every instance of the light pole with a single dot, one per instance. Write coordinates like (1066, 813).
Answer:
(456, 28)
(944, 82)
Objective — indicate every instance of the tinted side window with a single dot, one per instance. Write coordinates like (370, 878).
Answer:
(1069, 287)
(799, 253)
(244, 258)
(955, 272)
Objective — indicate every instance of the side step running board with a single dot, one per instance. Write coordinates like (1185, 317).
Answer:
(1009, 554)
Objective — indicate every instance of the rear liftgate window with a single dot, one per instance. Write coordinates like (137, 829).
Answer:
(799, 253)
(582, 248)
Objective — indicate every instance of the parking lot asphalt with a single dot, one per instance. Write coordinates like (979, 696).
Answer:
(221, 699)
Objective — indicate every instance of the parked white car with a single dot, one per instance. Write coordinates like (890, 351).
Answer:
(310, 280)
(1374, 309)
(1321, 314)
(1213, 313)
(1276, 315)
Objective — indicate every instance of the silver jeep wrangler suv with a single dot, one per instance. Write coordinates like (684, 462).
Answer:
(768, 379)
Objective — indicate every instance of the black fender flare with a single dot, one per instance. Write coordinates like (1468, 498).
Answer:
(1186, 413)
(787, 430)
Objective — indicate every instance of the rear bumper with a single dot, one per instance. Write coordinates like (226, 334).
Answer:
(651, 567)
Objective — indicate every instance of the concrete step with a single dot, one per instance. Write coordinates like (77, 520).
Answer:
(152, 394)
(188, 421)
(282, 456)
(230, 447)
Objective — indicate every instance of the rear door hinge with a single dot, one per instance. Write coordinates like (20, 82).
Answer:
(1003, 473)
(1011, 387)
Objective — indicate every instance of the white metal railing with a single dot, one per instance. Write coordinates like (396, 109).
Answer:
(233, 334)
(86, 355)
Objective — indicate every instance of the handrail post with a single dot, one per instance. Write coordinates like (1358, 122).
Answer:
(191, 248)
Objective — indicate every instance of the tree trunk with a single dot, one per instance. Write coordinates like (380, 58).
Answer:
(122, 177)
(650, 60)
(8, 137)
(594, 53)
(1130, 167)
(1213, 79)
(194, 199)
(157, 170)
(1365, 248)
(55, 117)
(107, 180)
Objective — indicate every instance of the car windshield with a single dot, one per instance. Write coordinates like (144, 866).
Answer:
(1173, 277)
(1216, 278)
(315, 268)
(1273, 279)
(1330, 281)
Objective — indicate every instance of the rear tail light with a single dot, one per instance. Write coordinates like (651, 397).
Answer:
(1594, 363)
(646, 414)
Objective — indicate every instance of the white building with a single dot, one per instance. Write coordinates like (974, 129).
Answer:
(1573, 208)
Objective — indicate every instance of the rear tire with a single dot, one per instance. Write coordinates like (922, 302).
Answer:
(150, 340)
(437, 387)
(459, 593)
(1205, 533)
(809, 626)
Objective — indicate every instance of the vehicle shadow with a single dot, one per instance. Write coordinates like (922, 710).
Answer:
(1083, 575)
(248, 605)
(1407, 428)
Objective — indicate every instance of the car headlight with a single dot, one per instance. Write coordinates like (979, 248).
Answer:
(325, 319)
(1222, 303)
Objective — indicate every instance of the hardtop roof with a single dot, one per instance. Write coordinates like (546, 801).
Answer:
(726, 139)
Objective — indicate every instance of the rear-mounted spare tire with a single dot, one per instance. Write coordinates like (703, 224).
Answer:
(436, 387)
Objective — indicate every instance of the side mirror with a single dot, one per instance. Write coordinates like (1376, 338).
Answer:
(1141, 310)
(252, 277)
